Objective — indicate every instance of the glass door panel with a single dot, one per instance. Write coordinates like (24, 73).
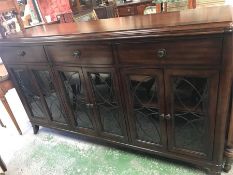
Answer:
(145, 92)
(107, 105)
(76, 92)
(192, 99)
(46, 85)
(30, 92)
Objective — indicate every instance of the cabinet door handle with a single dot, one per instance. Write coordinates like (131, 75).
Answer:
(21, 53)
(77, 54)
(168, 116)
(161, 53)
(162, 116)
(89, 105)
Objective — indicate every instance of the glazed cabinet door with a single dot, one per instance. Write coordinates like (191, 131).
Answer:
(45, 80)
(144, 89)
(106, 102)
(76, 97)
(191, 99)
(29, 93)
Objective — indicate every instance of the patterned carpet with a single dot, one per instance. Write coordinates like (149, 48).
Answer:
(53, 153)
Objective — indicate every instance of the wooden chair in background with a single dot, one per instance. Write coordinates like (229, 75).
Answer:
(2, 165)
(8, 6)
(5, 85)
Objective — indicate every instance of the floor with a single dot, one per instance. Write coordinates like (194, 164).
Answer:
(52, 152)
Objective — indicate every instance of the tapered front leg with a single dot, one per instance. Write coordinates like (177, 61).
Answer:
(35, 128)
(228, 154)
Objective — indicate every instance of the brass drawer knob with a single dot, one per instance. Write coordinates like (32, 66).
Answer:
(21, 53)
(77, 54)
(168, 116)
(161, 53)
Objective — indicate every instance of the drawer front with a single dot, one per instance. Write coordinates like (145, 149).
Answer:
(126, 11)
(198, 51)
(29, 54)
(80, 54)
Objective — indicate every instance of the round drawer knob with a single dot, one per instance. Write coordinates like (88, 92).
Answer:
(77, 54)
(21, 53)
(161, 53)
(168, 116)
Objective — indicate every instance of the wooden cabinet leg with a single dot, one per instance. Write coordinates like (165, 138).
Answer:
(8, 109)
(2, 165)
(215, 170)
(35, 128)
(228, 159)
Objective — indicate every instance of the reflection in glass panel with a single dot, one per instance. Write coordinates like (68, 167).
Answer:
(45, 82)
(190, 112)
(76, 93)
(144, 92)
(107, 105)
(30, 93)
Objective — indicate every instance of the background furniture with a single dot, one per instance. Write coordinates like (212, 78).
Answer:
(2, 165)
(104, 12)
(89, 16)
(5, 85)
(132, 8)
(81, 6)
(160, 83)
(11, 5)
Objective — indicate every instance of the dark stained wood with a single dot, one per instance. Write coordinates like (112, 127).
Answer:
(88, 54)
(192, 42)
(226, 77)
(228, 152)
(187, 22)
(190, 52)
(24, 54)
(35, 128)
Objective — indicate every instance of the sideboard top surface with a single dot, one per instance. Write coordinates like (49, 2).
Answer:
(216, 19)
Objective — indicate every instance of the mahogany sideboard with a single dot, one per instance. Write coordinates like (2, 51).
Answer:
(158, 84)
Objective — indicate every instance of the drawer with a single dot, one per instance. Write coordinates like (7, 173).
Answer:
(126, 11)
(193, 51)
(29, 54)
(80, 54)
